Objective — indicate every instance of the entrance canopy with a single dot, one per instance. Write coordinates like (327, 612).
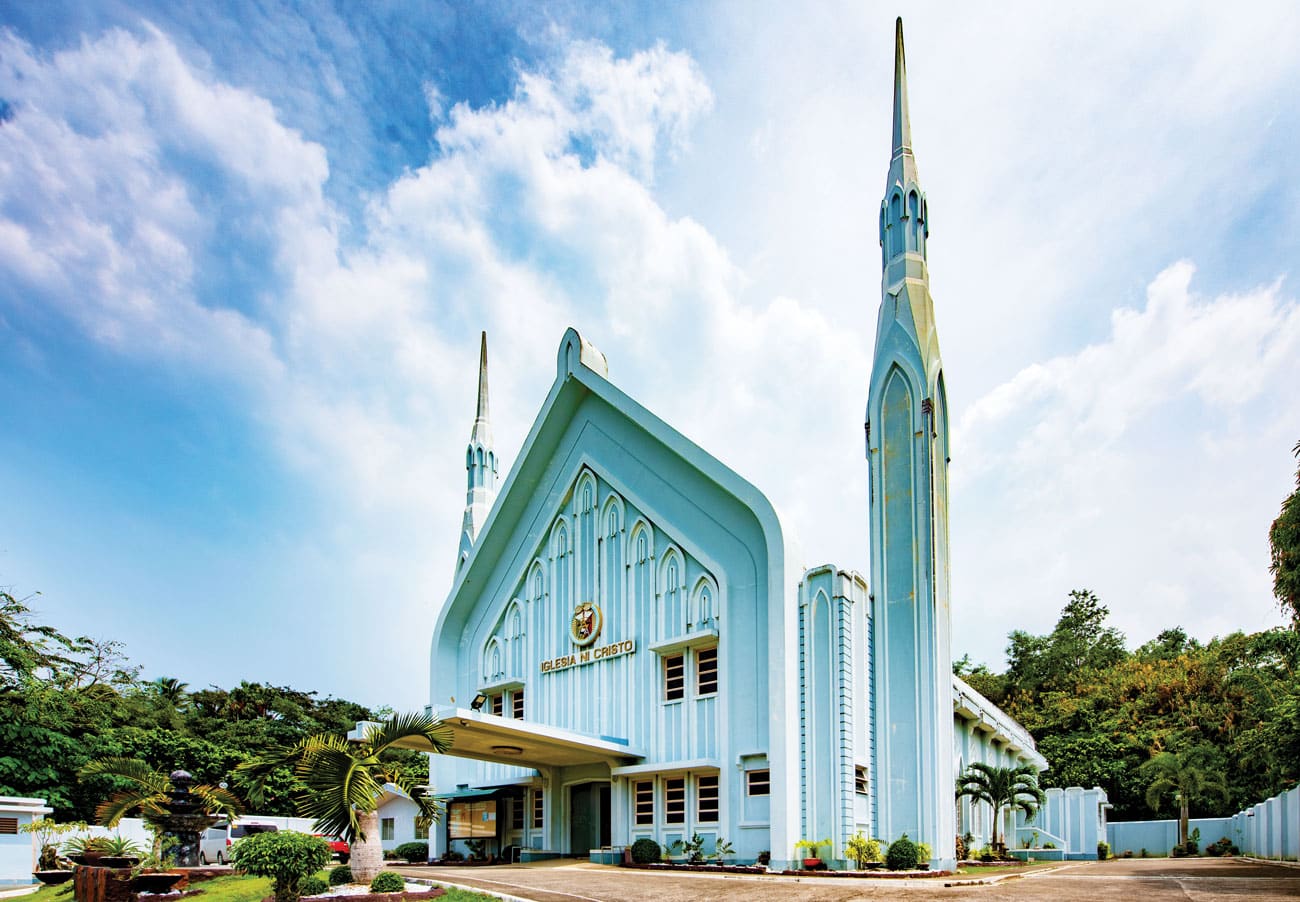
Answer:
(504, 740)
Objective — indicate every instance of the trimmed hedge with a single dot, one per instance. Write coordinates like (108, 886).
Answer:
(646, 851)
(387, 882)
(413, 851)
(313, 886)
(902, 855)
(340, 875)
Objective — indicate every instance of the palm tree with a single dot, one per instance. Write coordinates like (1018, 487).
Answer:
(344, 781)
(1188, 776)
(170, 690)
(149, 792)
(1002, 787)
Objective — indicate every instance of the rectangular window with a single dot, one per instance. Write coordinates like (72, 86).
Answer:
(498, 703)
(758, 783)
(517, 813)
(706, 671)
(422, 827)
(860, 780)
(9, 826)
(517, 704)
(674, 677)
(537, 809)
(644, 792)
(675, 800)
(385, 828)
(707, 798)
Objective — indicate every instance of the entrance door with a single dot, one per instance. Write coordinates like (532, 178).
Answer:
(589, 826)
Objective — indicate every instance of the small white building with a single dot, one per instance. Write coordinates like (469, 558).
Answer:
(18, 849)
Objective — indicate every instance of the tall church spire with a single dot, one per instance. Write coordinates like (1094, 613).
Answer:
(480, 464)
(907, 457)
(902, 164)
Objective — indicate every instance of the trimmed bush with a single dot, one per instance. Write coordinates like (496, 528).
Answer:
(902, 855)
(285, 856)
(1103, 851)
(413, 851)
(313, 886)
(646, 851)
(340, 875)
(387, 882)
(390, 855)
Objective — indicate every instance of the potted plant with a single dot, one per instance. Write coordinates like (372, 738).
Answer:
(86, 850)
(722, 850)
(50, 869)
(812, 860)
(120, 852)
(863, 851)
(923, 856)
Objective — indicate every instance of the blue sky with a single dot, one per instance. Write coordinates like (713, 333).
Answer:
(246, 250)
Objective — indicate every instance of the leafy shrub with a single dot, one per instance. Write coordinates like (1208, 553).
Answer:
(1177, 851)
(284, 856)
(923, 853)
(413, 851)
(1192, 847)
(902, 855)
(313, 886)
(1052, 845)
(764, 857)
(387, 882)
(1103, 850)
(694, 849)
(340, 875)
(645, 851)
(1128, 853)
(390, 855)
(862, 849)
(961, 848)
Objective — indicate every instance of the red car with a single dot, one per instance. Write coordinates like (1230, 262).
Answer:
(338, 845)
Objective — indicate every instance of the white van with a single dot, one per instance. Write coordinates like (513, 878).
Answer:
(214, 845)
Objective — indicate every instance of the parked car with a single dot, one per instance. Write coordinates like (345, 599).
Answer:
(338, 845)
(214, 845)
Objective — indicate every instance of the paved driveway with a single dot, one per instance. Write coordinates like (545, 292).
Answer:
(1147, 880)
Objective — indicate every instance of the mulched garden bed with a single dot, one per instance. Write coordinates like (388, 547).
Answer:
(756, 869)
(407, 896)
(704, 868)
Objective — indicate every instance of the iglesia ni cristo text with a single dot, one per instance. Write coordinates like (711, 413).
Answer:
(650, 659)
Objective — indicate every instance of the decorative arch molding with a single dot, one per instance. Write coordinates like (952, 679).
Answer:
(599, 548)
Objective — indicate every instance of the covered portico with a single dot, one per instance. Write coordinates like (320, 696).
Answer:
(561, 779)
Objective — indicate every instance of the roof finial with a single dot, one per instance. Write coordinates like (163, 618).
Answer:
(902, 121)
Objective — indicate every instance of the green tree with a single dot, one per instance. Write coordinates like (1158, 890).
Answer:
(1188, 777)
(1001, 788)
(1284, 545)
(284, 856)
(145, 788)
(1080, 642)
(343, 781)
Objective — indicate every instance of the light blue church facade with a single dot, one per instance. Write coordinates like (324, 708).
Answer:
(632, 647)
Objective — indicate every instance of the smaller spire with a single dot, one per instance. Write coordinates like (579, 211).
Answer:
(482, 431)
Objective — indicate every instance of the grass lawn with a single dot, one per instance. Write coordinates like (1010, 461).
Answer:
(235, 888)
(1010, 868)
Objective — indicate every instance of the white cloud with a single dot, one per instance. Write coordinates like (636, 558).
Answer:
(125, 164)
(1146, 466)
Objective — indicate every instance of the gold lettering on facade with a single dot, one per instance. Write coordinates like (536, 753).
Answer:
(603, 652)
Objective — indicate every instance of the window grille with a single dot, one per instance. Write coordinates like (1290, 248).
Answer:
(675, 800)
(707, 798)
(645, 802)
(538, 809)
(706, 671)
(517, 704)
(498, 704)
(758, 783)
(674, 678)
(860, 780)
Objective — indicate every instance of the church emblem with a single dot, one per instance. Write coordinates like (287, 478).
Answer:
(586, 623)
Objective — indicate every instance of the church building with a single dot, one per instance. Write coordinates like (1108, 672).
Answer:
(632, 647)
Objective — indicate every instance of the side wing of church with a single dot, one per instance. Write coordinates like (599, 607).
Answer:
(632, 648)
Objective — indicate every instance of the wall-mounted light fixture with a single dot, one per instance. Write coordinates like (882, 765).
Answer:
(479, 701)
